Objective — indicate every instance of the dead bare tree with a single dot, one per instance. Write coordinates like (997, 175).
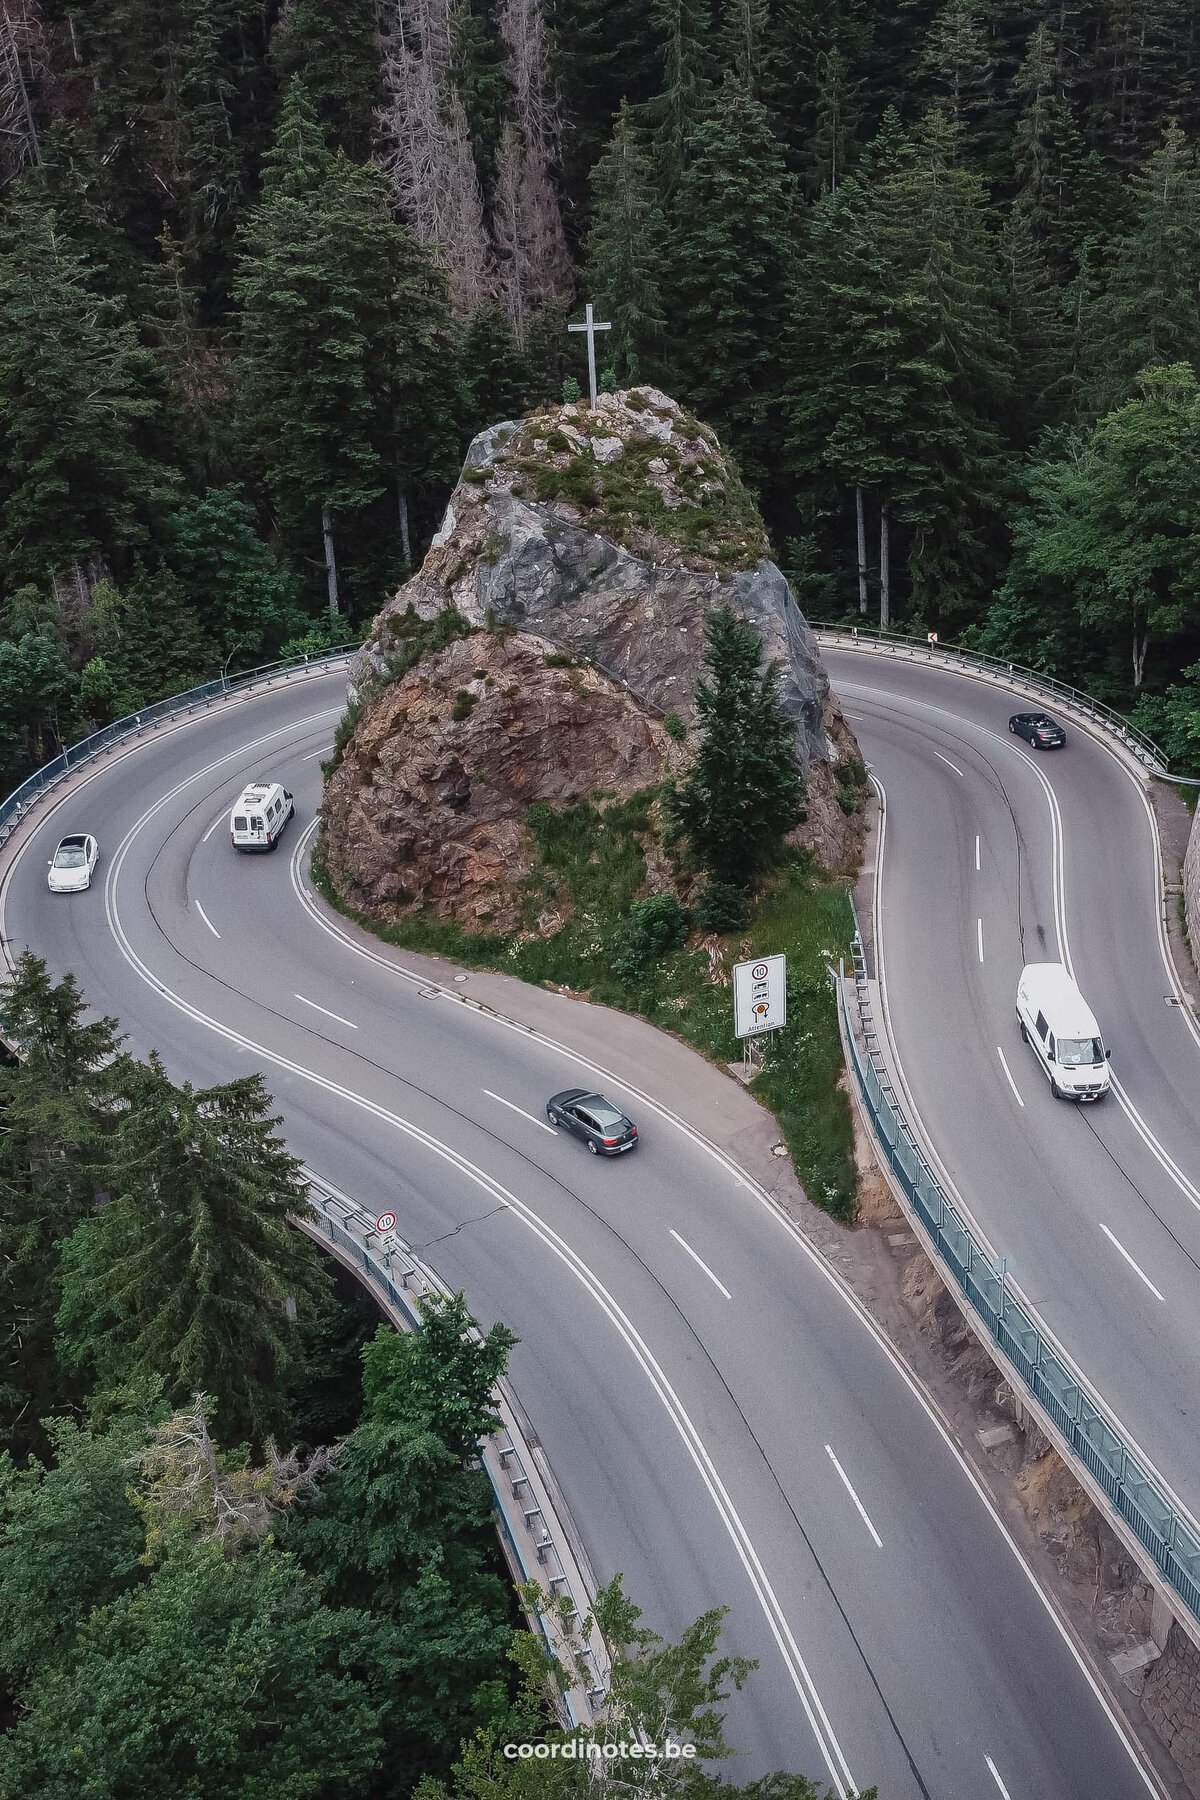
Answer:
(425, 145)
(186, 1482)
(535, 264)
(23, 69)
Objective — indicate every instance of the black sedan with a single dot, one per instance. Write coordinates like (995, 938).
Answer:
(602, 1126)
(1043, 732)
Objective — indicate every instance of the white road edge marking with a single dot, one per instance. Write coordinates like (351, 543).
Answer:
(684, 1245)
(207, 920)
(219, 820)
(979, 923)
(828, 1273)
(995, 1774)
(977, 852)
(540, 1123)
(327, 751)
(1012, 1084)
(949, 764)
(1140, 1273)
(862, 1511)
(326, 1011)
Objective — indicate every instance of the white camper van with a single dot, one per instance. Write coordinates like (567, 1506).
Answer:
(258, 819)
(1057, 1021)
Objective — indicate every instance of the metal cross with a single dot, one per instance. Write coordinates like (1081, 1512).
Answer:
(591, 326)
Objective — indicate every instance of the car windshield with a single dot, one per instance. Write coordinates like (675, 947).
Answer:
(70, 856)
(1046, 725)
(1073, 1053)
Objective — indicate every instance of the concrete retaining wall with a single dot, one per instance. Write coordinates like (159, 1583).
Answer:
(1191, 888)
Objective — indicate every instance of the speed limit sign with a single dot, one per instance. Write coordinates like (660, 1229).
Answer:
(385, 1222)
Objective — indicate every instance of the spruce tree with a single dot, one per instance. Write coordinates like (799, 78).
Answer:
(54, 1103)
(496, 374)
(149, 642)
(335, 51)
(743, 793)
(188, 1270)
(730, 265)
(78, 394)
(958, 65)
(1149, 312)
(624, 254)
(684, 28)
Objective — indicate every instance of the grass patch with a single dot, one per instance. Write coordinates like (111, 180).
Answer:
(590, 866)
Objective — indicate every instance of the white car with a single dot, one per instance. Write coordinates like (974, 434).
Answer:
(73, 864)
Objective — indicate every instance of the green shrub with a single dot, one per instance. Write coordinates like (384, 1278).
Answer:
(556, 660)
(722, 907)
(464, 702)
(571, 391)
(674, 727)
(652, 930)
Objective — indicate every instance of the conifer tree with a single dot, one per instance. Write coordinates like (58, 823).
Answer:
(187, 1271)
(745, 43)
(814, 84)
(148, 644)
(78, 393)
(496, 373)
(53, 1105)
(1149, 312)
(684, 29)
(624, 253)
(959, 66)
(335, 51)
(1035, 329)
(606, 52)
(743, 793)
(730, 264)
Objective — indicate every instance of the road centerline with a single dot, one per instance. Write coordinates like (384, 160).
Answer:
(540, 1123)
(995, 1775)
(349, 1023)
(1140, 1273)
(863, 1514)
(979, 927)
(949, 764)
(684, 1245)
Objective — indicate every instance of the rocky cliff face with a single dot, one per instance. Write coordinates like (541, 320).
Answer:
(613, 534)
(429, 802)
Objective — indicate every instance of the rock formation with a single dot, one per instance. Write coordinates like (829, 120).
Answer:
(430, 798)
(585, 551)
(614, 533)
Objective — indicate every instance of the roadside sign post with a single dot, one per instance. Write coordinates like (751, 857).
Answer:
(759, 1000)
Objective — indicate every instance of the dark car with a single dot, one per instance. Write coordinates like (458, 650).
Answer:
(1043, 732)
(602, 1126)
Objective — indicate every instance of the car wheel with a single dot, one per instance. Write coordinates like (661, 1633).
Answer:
(1024, 1032)
(551, 1116)
(1012, 728)
(1055, 1089)
(592, 1148)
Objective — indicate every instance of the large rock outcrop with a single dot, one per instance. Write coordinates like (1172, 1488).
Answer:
(428, 804)
(614, 533)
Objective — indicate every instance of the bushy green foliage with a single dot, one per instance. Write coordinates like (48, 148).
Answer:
(721, 906)
(653, 928)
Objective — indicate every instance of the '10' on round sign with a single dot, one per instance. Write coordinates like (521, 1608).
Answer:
(386, 1222)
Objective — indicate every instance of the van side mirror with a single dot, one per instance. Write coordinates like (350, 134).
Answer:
(1108, 1056)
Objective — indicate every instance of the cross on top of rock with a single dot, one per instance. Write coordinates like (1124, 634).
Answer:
(591, 326)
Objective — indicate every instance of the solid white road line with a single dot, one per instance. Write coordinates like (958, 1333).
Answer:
(684, 1245)
(949, 764)
(207, 920)
(327, 751)
(1012, 1084)
(220, 819)
(979, 923)
(995, 1774)
(1141, 1275)
(540, 1123)
(977, 851)
(324, 1009)
(862, 1511)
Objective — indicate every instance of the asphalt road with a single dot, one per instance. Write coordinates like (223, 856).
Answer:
(996, 855)
(727, 1426)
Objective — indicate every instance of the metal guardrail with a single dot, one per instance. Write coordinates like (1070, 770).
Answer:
(1071, 699)
(1055, 1388)
(51, 774)
(525, 1529)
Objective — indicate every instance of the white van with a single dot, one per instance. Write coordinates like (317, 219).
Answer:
(1056, 1019)
(258, 819)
